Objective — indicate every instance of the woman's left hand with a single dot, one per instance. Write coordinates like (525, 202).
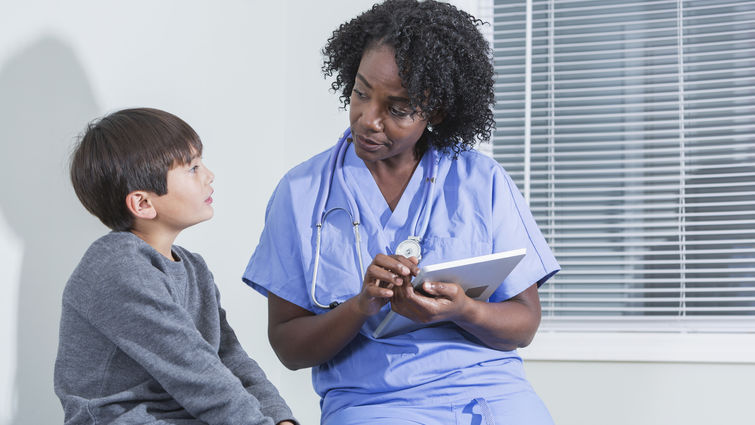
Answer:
(434, 302)
(504, 325)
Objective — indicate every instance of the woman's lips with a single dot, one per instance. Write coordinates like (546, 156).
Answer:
(368, 144)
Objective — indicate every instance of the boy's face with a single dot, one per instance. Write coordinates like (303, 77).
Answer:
(189, 197)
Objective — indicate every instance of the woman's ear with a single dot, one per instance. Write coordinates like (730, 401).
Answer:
(433, 121)
(139, 204)
(437, 118)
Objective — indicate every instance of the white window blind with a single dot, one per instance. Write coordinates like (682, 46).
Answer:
(630, 127)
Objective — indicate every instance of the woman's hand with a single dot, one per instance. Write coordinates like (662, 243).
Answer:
(434, 302)
(302, 339)
(505, 325)
(384, 275)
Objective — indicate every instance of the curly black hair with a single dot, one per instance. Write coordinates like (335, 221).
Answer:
(443, 61)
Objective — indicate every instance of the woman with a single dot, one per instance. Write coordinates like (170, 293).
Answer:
(418, 82)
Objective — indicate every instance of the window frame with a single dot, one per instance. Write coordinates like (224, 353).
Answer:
(655, 347)
(637, 341)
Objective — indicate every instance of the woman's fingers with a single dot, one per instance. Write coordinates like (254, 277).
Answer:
(382, 276)
(379, 276)
(433, 301)
(440, 289)
(378, 291)
(389, 269)
(385, 275)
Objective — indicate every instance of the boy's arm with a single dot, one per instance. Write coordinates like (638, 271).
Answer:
(137, 313)
(251, 375)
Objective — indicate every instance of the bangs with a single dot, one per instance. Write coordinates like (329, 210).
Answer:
(152, 143)
(183, 148)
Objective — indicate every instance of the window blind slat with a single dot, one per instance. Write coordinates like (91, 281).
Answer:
(643, 290)
(657, 169)
(691, 104)
(629, 309)
(650, 300)
(583, 246)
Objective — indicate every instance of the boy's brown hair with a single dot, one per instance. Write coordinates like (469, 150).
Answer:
(128, 150)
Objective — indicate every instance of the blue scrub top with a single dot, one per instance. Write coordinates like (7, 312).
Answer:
(476, 209)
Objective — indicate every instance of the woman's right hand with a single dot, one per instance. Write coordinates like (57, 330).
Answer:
(302, 338)
(383, 274)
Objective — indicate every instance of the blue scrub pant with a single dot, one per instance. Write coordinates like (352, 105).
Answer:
(520, 409)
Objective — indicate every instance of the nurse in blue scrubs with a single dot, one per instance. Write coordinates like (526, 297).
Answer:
(346, 231)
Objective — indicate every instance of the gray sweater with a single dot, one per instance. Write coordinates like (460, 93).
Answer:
(143, 340)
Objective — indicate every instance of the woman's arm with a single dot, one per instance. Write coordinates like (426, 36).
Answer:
(505, 325)
(302, 339)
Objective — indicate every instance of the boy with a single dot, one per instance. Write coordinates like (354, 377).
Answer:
(143, 338)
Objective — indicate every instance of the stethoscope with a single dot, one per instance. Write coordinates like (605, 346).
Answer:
(408, 248)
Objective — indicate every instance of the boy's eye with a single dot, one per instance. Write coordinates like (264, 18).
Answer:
(194, 169)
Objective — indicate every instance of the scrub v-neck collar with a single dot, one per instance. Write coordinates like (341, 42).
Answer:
(372, 202)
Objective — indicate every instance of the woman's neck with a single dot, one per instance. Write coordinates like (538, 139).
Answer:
(392, 177)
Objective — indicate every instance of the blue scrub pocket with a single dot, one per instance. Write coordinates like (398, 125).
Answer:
(437, 249)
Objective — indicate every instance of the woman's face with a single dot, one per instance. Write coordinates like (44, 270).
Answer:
(384, 127)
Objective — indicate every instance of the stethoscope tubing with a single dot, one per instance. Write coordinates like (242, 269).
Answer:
(334, 160)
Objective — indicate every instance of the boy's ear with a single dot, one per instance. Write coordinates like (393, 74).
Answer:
(139, 204)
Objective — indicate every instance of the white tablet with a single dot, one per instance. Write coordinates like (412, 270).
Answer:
(479, 276)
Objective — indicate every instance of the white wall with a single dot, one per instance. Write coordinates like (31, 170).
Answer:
(647, 393)
(246, 76)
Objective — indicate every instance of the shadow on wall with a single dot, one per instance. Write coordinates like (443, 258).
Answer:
(45, 102)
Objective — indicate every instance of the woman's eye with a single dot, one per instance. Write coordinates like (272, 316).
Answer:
(398, 112)
(358, 93)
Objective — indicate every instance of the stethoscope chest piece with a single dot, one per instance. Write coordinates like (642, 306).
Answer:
(410, 248)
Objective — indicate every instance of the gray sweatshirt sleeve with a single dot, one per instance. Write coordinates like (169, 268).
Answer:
(135, 310)
(251, 375)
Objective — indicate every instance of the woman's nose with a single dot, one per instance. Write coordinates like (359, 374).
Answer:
(371, 118)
